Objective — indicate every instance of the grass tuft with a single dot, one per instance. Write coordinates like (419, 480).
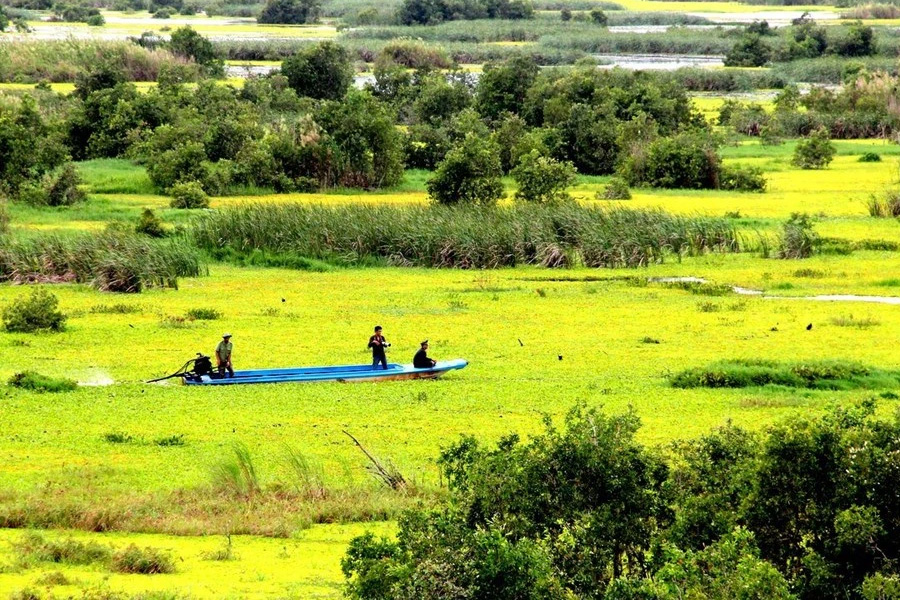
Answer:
(35, 382)
(851, 321)
(117, 437)
(33, 547)
(143, 561)
(823, 375)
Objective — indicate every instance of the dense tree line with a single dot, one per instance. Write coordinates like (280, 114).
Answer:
(865, 107)
(306, 127)
(804, 39)
(807, 510)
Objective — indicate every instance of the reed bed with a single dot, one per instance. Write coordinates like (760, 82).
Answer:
(110, 261)
(61, 61)
(462, 237)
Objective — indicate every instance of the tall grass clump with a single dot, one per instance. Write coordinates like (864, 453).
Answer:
(886, 205)
(461, 236)
(798, 238)
(35, 382)
(236, 473)
(111, 261)
(144, 561)
(35, 312)
(33, 547)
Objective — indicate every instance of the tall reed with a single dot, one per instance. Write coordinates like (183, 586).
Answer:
(461, 237)
(110, 261)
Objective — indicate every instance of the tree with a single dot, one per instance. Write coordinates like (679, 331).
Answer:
(370, 148)
(749, 51)
(290, 12)
(542, 179)
(502, 86)
(323, 71)
(469, 174)
(4, 20)
(815, 152)
(189, 44)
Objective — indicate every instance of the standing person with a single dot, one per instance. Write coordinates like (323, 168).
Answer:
(377, 343)
(421, 360)
(223, 355)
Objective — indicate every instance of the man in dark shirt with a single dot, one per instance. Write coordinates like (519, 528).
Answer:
(377, 343)
(421, 360)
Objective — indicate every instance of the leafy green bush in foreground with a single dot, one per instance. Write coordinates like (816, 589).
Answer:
(806, 510)
(36, 312)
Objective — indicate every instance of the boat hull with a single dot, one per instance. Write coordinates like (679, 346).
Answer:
(342, 373)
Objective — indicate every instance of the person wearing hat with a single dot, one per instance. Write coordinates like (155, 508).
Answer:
(223, 355)
(421, 360)
(377, 343)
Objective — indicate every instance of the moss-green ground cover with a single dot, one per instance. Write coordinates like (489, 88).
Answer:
(61, 459)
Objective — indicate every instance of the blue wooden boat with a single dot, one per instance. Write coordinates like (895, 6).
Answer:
(343, 373)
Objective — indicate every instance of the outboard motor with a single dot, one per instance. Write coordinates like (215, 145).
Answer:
(193, 369)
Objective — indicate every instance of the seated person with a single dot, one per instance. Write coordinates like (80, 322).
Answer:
(421, 360)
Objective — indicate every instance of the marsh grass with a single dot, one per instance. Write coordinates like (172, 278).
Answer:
(307, 478)
(821, 375)
(225, 553)
(61, 61)
(53, 578)
(851, 321)
(885, 205)
(110, 261)
(203, 314)
(114, 309)
(170, 440)
(143, 561)
(117, 437)
(461, 237)
(33, 547)
(236, 474)
(35, 382)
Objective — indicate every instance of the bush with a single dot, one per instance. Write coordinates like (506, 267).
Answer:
(59, 189)
(815, 152)
(29, 380)
(150, 224)
(616, 189)
(870, 157)
(188, 44)
(35, 312)
(542, 179)
(598, 17)
(145, 561)
(749, 51)
(188, 195)
(798, 238)
(469, 174)
(742, 178)
(4, 217)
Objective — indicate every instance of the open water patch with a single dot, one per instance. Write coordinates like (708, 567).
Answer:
(893, 300)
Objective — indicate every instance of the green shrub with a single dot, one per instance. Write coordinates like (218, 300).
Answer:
(815, 152)
(96, 21)
(616, 189)
(323, 71)
(598, 17)
(798, 238)
(290, 12)
(170, 440)
(29, 380)
(163, 13)
(870, 157)
(144, 561)
(149, 224)
(36, 312)
(188, 195)
(542, 179)
(749, 51)
(203, 314)
(742, 178)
